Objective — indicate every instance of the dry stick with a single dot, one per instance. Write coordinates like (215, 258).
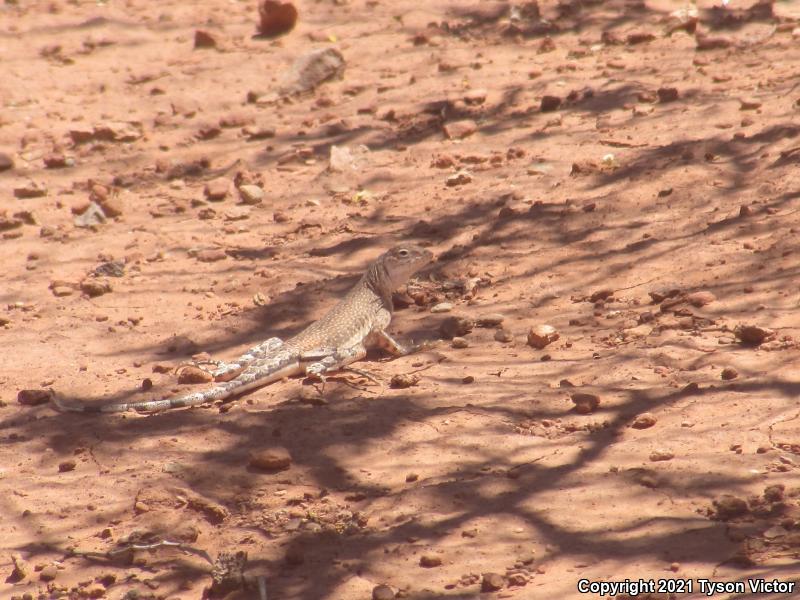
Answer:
(112, 553)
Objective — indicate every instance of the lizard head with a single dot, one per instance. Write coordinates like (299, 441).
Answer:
(401, 262)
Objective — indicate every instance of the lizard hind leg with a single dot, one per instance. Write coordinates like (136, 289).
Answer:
(225, 371)
(257, 352)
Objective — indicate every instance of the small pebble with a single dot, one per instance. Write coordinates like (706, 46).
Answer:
(251, 194)
(492, 582)
(661, 455)
(644, 421)
(490, 320)
(6, 162)
(701, 298)
(271, 459)
(728, 507)
(458, 130)
(430, 560)
(33, 397)
(460, 178)
(585, 403)
(203, 39)
(504, 336)
(459, 342)
(67, 465)
(729, 373)
(217, 189)
(550, 103)
(191, 374)
(749, 104)
(442, 307)
(404, 380)
(30, 190)
(455, 327)
(211, 255)
(382, 592)
(667, 94)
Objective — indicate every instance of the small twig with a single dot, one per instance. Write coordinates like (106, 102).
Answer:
(109, 554)
(425, 368)
(636, 285)
(776, 422)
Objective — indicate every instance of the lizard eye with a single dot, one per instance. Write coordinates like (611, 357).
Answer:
(402, 252)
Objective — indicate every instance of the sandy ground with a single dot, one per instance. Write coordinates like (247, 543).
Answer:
(626, 176)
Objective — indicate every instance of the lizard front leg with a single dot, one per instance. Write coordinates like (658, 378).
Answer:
(322, 362)
(381, 339)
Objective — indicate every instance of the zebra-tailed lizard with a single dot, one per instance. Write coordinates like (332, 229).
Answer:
(339, 338)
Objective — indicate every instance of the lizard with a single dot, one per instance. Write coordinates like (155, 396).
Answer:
(337, 339)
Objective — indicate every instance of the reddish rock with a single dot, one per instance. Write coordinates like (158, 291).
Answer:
(753, 334)
(7, 223)
(67, 465)
(749, 104)
(667, 94)
(541, 336)
(458, 130)
(217, 189)
(585, 403)
(276, 18)
(704, 42)
(33, 397)
(30, 190)
(117, 131)
(208, 131)
(460, 178)
(729, 507)
(192, 374)
(211, 255)
(550, 103)
(55, 160)
(639, 37)
(443, 161)
(203, 39)
(112, 205)
(430, 561)
(81, 134)
(6, 162)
